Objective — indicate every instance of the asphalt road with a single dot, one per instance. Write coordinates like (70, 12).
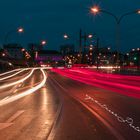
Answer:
(118, 112)
(27, 117)
(58, 108)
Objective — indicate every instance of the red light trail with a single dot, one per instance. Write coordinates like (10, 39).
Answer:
(126, 85)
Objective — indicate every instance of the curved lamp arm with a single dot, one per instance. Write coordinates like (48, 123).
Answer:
(126, 14)
(109, 13)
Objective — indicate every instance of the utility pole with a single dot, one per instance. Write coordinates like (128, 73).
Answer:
(80, 45)
(85, 45)
(97, 53)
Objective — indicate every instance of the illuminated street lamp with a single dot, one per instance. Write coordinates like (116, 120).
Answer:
(95, 10)
(138, 11)
(43, 42)
(3, 54)
(108, 48)
(22, 49)
(18, 30)
(65, 36)
(90, 36)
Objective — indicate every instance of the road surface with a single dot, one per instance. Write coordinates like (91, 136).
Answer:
(37, 104)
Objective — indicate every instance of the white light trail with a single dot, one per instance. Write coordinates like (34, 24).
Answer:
(19, 81)
(9, 72)
(4, 78)
(25, 93)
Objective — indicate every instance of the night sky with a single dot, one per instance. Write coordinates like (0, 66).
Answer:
(50, 19)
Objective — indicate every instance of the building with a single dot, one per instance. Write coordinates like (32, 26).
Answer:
(48, 57)
(14, 51)
(134, 57)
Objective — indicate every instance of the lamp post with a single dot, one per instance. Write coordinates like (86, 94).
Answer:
(18, 30)
(43, 42)
(95, 10)
(82, 37)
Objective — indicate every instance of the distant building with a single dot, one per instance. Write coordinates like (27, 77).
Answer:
(14, 51)
(134, 57)
(48, 57)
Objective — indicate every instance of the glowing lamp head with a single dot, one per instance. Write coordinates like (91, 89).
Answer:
(10, 64)
(138, 11)
(43, 42)
(90, 36)
(22, 49)
(20, 30)
(90, 48)
(95, 10)
(3, 54)
(65, 36)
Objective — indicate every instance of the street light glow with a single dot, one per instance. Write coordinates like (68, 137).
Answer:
(138, 11)
(20, 30)
(43, 42)
(3, 54)
(95, 10)
(22, 49)
(90, 36)
(65, 36)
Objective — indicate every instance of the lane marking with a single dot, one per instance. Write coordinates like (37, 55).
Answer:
(111, 129)
(4, 125)
(100, 118)
(128, 120)
(16, 115)
(9, 122)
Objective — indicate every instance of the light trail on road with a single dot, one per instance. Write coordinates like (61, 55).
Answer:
(19, 81)
(126, 85)
(12, 75)
(9, 72)
(25, 93)
(118, 113)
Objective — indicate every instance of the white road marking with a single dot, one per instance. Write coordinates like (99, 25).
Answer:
(16, 115)
(9, 122)
(4, 125)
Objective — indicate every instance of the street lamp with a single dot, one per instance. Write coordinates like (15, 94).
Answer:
(65, 36)
(96, 10)
(43, 42)
(90, 36)
(18, 30)
(138, 11)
